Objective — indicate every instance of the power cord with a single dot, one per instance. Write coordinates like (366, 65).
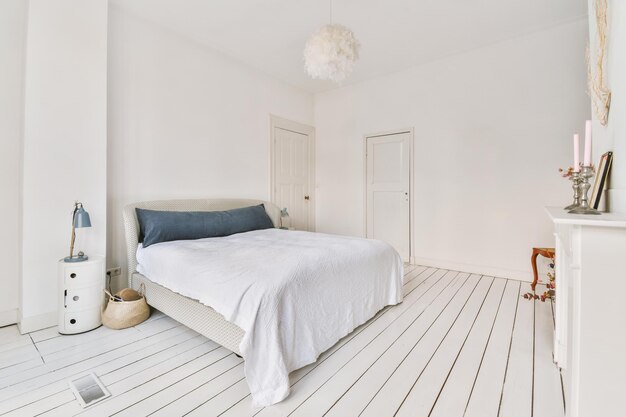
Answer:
(108, 283)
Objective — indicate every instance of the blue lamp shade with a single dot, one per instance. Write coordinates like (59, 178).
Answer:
(81, 219)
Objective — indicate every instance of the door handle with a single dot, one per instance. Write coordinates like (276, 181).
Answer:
(306, 197)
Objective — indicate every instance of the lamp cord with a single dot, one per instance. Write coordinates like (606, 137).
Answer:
(108, 281)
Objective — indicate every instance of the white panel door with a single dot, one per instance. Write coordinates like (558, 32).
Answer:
(291, 175)
(387, 183)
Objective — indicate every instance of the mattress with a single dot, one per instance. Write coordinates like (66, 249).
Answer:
(294, 294)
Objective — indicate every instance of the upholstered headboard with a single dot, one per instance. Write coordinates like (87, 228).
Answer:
(131, 225)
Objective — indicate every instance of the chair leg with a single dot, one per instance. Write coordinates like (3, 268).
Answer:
(533, 262)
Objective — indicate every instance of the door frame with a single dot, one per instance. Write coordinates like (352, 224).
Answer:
(286, 124)
(411, 132)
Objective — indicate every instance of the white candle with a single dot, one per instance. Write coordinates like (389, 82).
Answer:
(576, 152)
(587, 160)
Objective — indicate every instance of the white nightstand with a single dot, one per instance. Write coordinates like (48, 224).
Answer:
(81, 286)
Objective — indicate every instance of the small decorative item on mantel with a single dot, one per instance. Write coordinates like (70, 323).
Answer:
(601, 179)
(580, 175)
(586, 173)
(575, 178)
(574, 173)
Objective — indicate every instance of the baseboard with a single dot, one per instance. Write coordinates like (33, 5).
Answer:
(476, 269)
(34, 323)
(8, 317)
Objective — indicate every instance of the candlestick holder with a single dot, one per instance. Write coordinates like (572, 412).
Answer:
(575, 178)
(585, 174)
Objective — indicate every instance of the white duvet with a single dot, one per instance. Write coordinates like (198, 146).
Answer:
(295, 294)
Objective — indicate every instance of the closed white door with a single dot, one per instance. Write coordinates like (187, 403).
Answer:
(292, 174)
(388, 190)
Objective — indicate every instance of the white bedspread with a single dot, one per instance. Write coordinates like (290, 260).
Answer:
(295, 294)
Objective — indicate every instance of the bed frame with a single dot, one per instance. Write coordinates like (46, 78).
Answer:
(187, 311)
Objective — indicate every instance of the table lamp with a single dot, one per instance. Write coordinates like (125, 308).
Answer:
(80, 218)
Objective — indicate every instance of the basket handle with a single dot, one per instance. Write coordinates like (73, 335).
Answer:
(142, 290)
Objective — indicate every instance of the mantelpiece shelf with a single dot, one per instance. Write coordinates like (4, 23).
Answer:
(560, 216)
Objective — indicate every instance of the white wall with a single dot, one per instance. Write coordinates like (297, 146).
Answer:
(492, 127)
(613, 136)
(12, 48)
(185, 122)
(64, 144)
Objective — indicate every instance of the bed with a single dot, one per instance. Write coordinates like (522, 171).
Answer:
(276, 343)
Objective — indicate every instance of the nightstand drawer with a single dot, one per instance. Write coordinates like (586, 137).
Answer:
(80, 321)
(83, 298)
(77, 276)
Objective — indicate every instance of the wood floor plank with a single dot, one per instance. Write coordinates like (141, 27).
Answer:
(407, 326)
(458, 386)
(415, 272)
(212, 364)
(517, 393)
(64, 344)
(122, 392)
(21, 367)
(216, 377)
(15, 342)
(548, 394)
(184, 399)
(45, 334)
(49, 372)
(390, 397)
(487, 390)
(331, 391)
(454, 366)
(149, 352)
(423, 395)
(217, 405)
(18, 355)
(11, 334)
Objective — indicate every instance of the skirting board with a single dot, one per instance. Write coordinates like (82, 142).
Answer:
(476, 269)
(8, 317)
(34, 323)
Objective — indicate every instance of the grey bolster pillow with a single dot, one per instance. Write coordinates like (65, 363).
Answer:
(165, 226)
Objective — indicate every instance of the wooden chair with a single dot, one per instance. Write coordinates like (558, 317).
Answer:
(545, 252)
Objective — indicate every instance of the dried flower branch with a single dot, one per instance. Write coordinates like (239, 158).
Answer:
(566, 173)
(550, 292)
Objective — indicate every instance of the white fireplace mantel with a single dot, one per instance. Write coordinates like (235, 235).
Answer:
(590, 311)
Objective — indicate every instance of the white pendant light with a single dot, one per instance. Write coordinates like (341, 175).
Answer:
(331, 52)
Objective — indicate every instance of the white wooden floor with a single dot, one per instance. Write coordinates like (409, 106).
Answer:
(459, 345)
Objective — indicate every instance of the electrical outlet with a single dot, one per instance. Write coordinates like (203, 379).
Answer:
(114, 271)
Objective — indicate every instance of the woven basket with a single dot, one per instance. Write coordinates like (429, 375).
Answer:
(132, 310)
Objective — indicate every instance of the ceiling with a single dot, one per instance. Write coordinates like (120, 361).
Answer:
(269, 35)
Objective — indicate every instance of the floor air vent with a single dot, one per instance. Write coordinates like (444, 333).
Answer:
(88, 390)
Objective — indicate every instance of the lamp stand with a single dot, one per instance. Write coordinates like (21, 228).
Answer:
(80, 257)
